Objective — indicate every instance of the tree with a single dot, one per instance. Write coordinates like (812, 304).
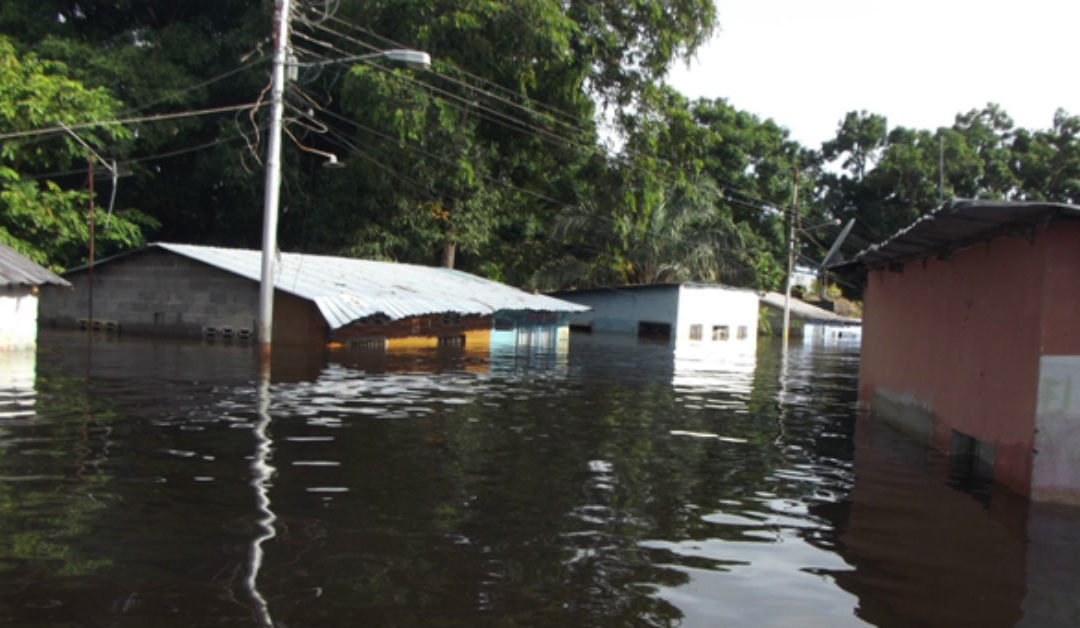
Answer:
(989, 134)
(859, 141)
(40, 217)
(683, 201)
(1047, 163)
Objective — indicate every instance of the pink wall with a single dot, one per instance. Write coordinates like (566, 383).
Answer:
(964, 338)
(1061, 291)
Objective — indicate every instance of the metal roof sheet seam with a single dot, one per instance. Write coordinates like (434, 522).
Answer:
(347, 289)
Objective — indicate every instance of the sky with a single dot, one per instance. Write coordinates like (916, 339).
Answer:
(805, 63)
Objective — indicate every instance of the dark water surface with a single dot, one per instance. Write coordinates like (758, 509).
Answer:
(150, 484)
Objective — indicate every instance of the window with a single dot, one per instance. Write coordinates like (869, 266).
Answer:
(695, 332)
(654, 331)
(456, 340)
(741, 333)
(720, 332)
(368, 343)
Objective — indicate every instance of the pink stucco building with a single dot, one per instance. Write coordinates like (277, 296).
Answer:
(971, 338)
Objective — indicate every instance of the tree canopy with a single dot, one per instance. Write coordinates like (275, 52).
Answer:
(494, 160)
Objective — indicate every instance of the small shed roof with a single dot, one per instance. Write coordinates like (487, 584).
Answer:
(347, 289)
(958, 224)
(17, 270)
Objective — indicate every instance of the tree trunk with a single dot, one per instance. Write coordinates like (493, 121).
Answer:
(449, 248)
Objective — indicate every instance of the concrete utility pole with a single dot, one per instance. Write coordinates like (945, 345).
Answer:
(791, 257)
(272, 193)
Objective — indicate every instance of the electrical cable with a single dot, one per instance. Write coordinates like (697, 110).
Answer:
(134, 120)
(731, 184)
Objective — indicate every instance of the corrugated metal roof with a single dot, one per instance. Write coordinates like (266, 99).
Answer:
(958, 224)
(17, 270)
(346, 289)
(645, 287)
(807, 311)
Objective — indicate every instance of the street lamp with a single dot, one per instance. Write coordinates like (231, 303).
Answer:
(415, 59)
(272, 193)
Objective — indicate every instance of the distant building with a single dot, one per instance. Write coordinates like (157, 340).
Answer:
(815, 325)
(804, 277)
(971, 338)
(184, 290)
(690, 315)
(20, 280)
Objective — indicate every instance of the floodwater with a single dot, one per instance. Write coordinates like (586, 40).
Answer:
(158, 484)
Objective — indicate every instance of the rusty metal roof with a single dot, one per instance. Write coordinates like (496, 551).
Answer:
(958, 224)
(17, 270)
(346, 289)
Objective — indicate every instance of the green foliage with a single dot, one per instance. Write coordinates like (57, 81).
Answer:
(886, 184)
(491, 162)
(38, 217)
(681, 202)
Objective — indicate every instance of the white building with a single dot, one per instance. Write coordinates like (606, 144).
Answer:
(20, 279)
(692, 316)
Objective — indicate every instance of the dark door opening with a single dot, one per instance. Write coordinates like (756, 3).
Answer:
(654, 331)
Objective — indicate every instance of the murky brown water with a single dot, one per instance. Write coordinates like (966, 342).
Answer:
(145, 485)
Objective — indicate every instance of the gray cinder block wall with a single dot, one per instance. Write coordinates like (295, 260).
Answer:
(155, 292)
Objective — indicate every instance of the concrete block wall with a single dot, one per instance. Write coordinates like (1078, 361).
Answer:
(155, 292)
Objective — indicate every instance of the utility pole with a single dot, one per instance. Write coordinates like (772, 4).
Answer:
(272, 192)
(791, 258)
(92, 155)
(90, 247)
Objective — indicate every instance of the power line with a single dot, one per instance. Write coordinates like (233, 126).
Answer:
(538, 131)
(440, 62)
(448, 94)
(190, 88)
(137, 120)
(427, 153)
(541, 133)
(730, 184)
(454, 66)
(138, 160)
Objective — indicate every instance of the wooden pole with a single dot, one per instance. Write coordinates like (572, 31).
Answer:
(90, 247)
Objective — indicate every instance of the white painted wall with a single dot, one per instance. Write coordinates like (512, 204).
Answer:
(714, 308)
(17, 373)
(804, 277)
(831, 335)
(1056, 466)
(18, 317)
(711, 307)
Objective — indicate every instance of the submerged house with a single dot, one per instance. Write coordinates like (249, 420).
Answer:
(184, 290)
(812, 323)
(20, 282)
(688, 314)
(971, 338)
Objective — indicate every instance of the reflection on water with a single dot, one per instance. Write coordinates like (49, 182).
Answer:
(157, 484)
